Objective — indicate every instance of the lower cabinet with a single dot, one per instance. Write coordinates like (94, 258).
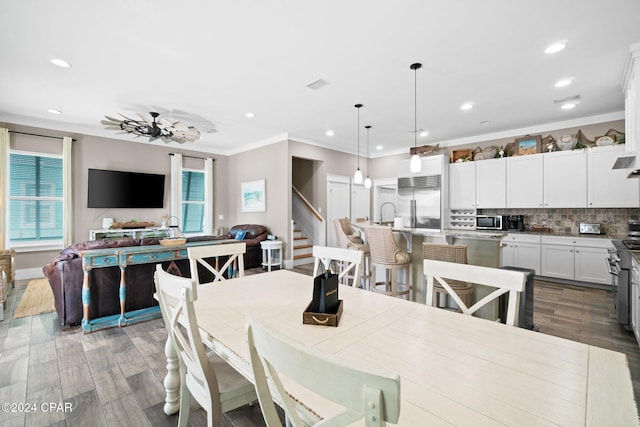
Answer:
(635, 298)
(581, 259)
(520, 250)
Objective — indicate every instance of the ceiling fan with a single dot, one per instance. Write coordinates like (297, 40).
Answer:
(154, 128)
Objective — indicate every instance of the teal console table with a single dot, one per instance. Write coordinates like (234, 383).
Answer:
(123, 257)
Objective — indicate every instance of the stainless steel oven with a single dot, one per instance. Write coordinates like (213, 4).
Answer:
(620, 269)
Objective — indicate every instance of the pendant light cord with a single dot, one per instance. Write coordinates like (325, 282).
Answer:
(415, 107)
(358, 106)
(368, 152)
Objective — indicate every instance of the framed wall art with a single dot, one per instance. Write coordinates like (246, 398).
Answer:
(253, 196)
(528, 145)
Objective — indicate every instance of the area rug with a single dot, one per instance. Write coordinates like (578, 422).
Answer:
(37, 299)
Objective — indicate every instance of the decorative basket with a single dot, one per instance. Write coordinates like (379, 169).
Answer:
(173, 242)
(133, 224)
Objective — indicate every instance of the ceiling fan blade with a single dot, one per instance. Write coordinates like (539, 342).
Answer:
(144, 119)
(181, 126)
(112, 119)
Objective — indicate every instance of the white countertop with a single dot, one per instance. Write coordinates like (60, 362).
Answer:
(461, 234)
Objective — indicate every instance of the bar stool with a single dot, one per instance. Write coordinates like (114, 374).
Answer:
(386, 253)
(449, 253)
(349, 239)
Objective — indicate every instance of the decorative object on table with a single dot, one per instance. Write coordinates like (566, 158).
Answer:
(175, 237)
(357, 176)
(325, 308)
(133, 224)
(415, 164)
(501, 152)
(253, 196)
(154, 128)
(458, 156)
(173, 241)
(107, 222)
(528, 144)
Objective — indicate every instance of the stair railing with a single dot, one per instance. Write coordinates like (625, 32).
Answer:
(307, 219)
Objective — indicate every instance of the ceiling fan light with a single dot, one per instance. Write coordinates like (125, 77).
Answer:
(415, 165)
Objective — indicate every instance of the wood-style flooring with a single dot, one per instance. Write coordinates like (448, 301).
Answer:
(114, 377)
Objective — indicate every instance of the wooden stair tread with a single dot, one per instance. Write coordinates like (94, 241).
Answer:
(302, 246)
(302, 256)
(300, 238)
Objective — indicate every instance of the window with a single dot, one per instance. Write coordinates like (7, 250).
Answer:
(192, 201)
(35, 199)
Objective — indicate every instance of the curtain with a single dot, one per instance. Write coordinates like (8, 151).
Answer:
(208, 196)
(4, 179)
(176, 189)
(67, 191)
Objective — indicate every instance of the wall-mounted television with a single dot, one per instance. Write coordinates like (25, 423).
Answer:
(118, 189)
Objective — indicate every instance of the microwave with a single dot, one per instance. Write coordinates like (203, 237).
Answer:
(490, 222)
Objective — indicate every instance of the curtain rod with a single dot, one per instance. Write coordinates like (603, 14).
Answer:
(194, 157)
(41, 136)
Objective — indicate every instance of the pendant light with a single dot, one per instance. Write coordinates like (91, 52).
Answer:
(415, 165)
(367, 181)
(357, 177)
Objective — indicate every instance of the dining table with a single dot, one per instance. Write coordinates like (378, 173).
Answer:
(454, 369)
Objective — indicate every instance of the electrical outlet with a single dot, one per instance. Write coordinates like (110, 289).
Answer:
(220, 217)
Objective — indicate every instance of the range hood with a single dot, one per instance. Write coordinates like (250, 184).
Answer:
(625, 160)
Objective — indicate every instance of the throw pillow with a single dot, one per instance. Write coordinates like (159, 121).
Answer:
(240, 235)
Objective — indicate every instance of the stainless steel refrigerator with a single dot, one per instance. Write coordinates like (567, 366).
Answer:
(420, 201)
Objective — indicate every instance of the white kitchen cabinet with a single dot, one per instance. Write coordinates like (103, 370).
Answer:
(607, 187)
(525, 177)
(565, 179)
(491, 190)
(520, 250)
(635, 298)
(462, 185)
(575, 258)
(477, 185)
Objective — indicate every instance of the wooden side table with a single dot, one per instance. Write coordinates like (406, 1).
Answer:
(271, 254)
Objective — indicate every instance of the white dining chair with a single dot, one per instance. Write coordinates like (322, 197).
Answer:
(203, 255)
(347, 263)
(504, 281)
(374, 396)
(213, 383)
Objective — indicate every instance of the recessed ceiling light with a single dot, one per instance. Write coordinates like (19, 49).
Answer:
(555, 47)
(249, 115)
(60, 63)
(466, 106)
(52, 111)
(379, 147)
(563, 83)
(329, 133)
(568, 106)
(424, 133)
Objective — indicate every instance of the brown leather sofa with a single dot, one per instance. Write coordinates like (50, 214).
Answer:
(65, 275)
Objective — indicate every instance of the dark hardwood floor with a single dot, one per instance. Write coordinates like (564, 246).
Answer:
(114, 377)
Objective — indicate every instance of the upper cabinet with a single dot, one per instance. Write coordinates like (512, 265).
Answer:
(607, 187)
(525, 182)
(560, 179)
(631, 86)
(477, 185)
(565, 179)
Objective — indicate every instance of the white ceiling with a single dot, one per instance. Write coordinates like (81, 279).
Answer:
(208, 63)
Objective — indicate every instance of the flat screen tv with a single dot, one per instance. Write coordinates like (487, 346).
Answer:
(117, 189)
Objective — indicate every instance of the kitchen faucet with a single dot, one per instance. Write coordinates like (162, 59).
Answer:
(395, 211)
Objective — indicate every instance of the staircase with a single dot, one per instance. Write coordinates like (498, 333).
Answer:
(302, 249)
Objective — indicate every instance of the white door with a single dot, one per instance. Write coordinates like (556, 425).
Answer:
(360, 203)
(337, 205)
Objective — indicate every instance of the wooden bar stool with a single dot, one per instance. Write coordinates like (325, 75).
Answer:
(449, 253)
(348, 238)
(386, 253)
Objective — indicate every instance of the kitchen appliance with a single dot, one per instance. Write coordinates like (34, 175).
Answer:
(633, 229)
(490, 222)
(620, 269)
(515, 223)
(420, 202)
(590, 228)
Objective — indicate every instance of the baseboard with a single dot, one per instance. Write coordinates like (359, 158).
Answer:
(29, 273)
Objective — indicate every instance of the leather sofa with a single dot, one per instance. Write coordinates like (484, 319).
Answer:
(66, 276)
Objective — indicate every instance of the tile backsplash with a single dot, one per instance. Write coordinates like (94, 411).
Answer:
(566, 221)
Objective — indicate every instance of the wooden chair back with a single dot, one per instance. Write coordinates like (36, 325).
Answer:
(198, 378)
(504, 281)
(372, 395)
(234, 266)
(347, 263)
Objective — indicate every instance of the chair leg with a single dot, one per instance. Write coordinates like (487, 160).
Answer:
(185, 403)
